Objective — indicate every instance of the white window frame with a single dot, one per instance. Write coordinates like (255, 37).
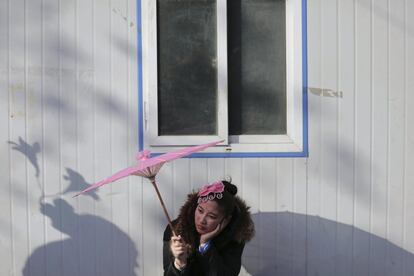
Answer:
(291, 142)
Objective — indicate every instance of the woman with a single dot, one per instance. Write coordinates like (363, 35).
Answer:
(212, 229)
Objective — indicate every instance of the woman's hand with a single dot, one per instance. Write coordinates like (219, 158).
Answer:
(210, 235)
(179, 250)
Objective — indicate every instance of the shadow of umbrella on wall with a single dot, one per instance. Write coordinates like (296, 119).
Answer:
(30, 151)
(297, 244)
(149, 167)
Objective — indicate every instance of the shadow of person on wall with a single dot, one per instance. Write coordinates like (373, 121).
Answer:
(94, 246)
(294, 244)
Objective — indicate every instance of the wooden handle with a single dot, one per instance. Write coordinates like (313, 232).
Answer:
(152, 179)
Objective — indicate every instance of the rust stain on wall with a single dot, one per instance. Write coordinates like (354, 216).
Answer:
(325, 92)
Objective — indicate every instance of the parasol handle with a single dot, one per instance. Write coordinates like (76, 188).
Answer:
(152, 179)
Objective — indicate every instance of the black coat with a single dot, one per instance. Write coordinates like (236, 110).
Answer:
(223, 257)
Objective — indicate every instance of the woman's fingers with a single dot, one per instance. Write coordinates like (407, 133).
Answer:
(176, 238)
(179, 253)
(178, 246)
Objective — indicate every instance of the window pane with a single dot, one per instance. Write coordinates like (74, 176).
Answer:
(257, 67)
(187, 71)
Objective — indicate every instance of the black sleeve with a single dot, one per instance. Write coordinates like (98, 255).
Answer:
(226, 262)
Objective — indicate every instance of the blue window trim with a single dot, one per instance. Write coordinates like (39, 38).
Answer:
(139, 77)
(304, 153)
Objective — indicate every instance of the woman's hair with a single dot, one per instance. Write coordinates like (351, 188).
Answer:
(227, 202)
(186, 226)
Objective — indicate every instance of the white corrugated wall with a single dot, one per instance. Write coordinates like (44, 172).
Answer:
(69, 117)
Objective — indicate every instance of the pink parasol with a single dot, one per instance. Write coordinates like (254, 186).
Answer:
(149, 167)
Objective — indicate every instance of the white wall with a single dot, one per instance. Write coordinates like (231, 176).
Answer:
(69, 102)
(69, 117)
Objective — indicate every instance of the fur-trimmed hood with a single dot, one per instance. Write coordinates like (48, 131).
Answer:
(240, 228)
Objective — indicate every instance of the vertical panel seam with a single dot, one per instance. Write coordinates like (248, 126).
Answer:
(371, 161)
(338, 126)
(94, 129)
(42, 37)
(129, 106)
(387, 220)
(25, 55)
(142, 223)
(307, 216)
(338, 105)
(276, 203)
(174, 180)
(354, 163)
(110, 124)
(208, 170)
(259, 208)
(388, 122)
(320, 184)
(9, 151)
(225, 169)
(189, 174)
(241, 166)
(260, 186)
(60, 128)
(404, 232)
(292, 175)
(76, 19)
(60, 125)
(292, 221)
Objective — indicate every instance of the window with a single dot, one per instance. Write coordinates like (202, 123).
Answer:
(232, 70)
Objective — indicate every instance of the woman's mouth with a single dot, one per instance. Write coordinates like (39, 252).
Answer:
(200, 227)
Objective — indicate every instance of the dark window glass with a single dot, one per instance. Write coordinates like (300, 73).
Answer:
(257, 67)
(187, 71)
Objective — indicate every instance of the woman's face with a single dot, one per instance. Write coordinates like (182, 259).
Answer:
(207, 216)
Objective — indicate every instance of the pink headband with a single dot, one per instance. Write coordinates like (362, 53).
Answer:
(211, 191)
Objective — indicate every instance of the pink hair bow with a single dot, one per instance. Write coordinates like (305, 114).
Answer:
(216, 187)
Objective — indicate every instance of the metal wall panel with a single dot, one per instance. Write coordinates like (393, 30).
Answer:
(359, 74)
(68, 117)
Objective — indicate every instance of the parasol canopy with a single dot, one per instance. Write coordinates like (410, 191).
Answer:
(148, 167)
